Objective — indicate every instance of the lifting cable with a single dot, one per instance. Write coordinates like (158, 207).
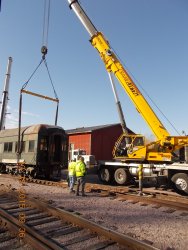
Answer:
(44, 51)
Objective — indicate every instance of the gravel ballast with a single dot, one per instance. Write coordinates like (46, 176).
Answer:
(153, 225)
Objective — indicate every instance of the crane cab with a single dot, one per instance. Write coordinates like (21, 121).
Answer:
(130, 147)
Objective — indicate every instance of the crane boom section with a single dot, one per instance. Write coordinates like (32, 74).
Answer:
(113, 65)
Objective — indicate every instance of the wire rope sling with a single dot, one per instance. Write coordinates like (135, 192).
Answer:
(44, 51)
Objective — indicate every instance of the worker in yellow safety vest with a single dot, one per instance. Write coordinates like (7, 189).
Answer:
(72, 175)
(80, 175)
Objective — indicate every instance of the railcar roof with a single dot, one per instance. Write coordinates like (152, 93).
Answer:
(33, 129)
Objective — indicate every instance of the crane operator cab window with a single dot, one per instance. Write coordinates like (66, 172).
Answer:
(129, 144)
(138, 141)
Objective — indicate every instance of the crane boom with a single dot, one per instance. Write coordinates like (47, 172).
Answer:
(113, 65)
(5, 95)
(159, 150)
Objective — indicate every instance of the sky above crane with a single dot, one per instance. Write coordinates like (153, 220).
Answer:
(150, 38)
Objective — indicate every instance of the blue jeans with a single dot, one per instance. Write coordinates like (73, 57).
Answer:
(71, 181)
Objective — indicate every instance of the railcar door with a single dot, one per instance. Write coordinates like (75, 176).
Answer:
(55, 156)
(56, 148)
(51, 157)
(43, 149)
(42, 165)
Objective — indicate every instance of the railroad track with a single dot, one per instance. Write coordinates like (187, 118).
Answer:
(159, 198)
(8, 239)
(44, 227)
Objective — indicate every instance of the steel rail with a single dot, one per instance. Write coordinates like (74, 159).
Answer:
(40, 242)
(121, 239)
(152, 200)
(32, 237)
(176, 202)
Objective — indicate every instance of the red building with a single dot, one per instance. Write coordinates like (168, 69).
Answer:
(98, 140)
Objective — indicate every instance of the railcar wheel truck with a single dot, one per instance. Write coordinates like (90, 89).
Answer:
(130, 151)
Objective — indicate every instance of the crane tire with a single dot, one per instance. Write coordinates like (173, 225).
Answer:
(180, 182)
(121, 176)
(105, 175)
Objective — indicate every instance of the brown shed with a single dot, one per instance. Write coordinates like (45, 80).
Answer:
(98, 140)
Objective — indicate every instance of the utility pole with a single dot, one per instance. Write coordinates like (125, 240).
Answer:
(5, 95)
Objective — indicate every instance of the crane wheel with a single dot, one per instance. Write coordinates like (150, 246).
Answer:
(180, 183)
(105, 175)
(121, 176)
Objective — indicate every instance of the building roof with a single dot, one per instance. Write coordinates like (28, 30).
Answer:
(90, 129)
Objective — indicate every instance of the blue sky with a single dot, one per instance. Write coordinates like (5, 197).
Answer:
(150, 37)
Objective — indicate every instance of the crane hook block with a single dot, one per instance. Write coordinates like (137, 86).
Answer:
(44, 51)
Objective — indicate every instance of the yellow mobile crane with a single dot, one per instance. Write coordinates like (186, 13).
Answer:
(131, 149)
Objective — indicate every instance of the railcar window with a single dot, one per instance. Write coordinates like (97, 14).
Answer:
(8, 147)
(43, 144)
(31, 146)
